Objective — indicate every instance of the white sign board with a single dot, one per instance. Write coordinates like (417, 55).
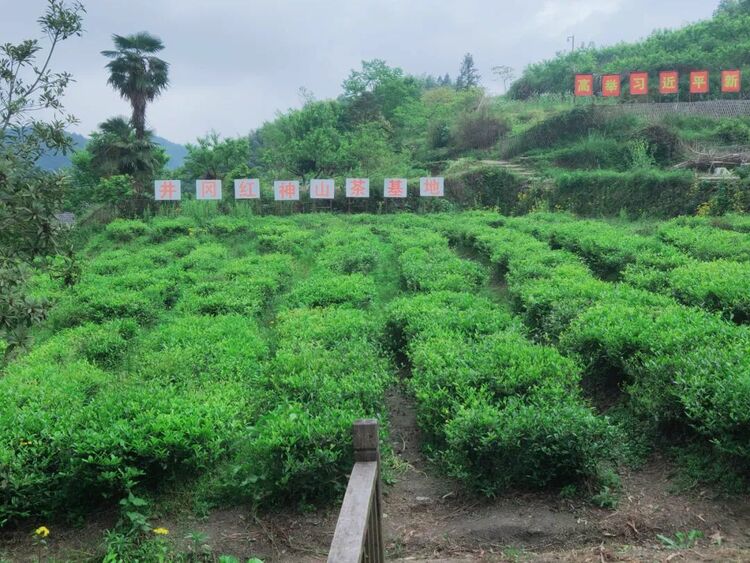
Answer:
(208, 189)
(394, 187)
(167, 190)
(432, 187)
(357, 187)
(286, 190)
(322, 189)
(247, 188)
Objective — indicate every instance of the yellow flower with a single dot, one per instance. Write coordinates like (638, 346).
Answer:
(160, 531)
(42, 531)
(25, 442)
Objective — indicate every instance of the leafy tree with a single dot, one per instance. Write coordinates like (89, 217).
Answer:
(214, 158)
(468, 75)
(376, 90)
(305, 141)
(29, 198)
(733, 7)
(137, 74)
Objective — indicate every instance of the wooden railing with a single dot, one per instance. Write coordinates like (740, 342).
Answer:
(359, 531)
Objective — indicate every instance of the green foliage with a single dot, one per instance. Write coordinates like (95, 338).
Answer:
(124, 230)
(681, 540)
(137, 74)
(717, 43)
(679, 370)
(30, 198)
(215, 158)
(639, 192)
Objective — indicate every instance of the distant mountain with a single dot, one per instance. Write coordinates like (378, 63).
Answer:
(176, 152)
(52, 161)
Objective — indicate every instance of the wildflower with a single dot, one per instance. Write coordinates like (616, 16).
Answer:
(25, 442)
(160, 531)
(42, 531)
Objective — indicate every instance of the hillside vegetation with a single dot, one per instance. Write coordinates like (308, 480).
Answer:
(722, 42)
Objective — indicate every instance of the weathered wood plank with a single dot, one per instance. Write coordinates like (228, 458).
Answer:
(349, 537)
(366, 440)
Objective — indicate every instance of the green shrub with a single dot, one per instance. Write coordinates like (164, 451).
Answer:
(707, 243)
(102, 345)
(542, 441)
(73, 435)
(169, 227)
(194, 349)
(324, 289)
(721, 286)
(292, 456)
(225, 225)
(639, 192)
(124, 230)
(98, 303)
(714, 389)
(439, 270)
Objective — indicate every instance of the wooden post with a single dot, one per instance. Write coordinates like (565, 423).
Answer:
(358, 536)
(366, 440)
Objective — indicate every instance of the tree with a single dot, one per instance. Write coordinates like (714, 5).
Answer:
(116, 150)
(505, 74)
(137, 74)
(29, 198)
(375, 91)
(213, 158)
(468, 76)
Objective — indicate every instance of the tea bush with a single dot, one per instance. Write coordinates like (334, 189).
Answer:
(124, 230)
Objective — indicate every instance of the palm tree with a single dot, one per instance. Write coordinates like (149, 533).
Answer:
(115, 149)
(137, 74)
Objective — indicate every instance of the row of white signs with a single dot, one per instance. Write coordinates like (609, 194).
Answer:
(289, 190)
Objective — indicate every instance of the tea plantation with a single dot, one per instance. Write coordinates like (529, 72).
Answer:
(233, 353)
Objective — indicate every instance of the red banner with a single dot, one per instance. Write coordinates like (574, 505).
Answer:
(584, 85)
(611, 85)
(638, 83)
(731, 80)
(669, 82)
(699, 82)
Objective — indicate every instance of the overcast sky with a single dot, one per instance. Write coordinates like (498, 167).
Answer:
(235, 63)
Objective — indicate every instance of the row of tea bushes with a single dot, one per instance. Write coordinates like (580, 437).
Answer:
(646, 262)
(328, 370)
(679, 367)
(84, 419)
(500, 411)
(148, 371)
(706, 242)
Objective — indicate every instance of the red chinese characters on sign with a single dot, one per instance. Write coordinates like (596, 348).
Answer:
(611, 85)
(322, 189)
(699, 82)
(247, 188)
(668, 82)
(394, 187)
(208, 189)
(167, 190)
(357, 187)
(638, 83)
(584, 85)
(286, 190)
(432, 187)
(731, 81)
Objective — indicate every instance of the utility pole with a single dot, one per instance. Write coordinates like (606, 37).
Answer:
(572, 40)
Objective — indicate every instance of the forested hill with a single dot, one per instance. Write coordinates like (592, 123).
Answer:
(720, 43)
